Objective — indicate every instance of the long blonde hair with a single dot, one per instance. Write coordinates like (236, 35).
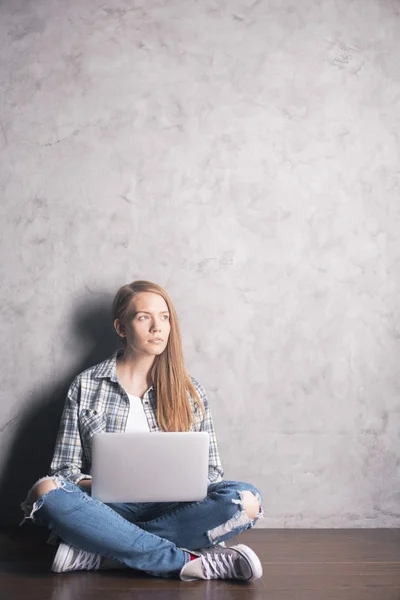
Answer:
(170, 378)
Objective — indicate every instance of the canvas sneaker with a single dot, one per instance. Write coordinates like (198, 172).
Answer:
(68, 558)
(235, 562)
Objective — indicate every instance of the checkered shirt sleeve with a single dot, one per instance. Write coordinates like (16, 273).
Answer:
(68, 453)
(215, 469)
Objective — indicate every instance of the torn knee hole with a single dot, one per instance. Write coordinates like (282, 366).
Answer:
(34, 499)
(44, 486)
(250, 504)
(240, 519)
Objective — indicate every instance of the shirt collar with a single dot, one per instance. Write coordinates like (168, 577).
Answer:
(108, 368)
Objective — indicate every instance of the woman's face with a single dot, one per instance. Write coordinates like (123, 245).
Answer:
(146, 327)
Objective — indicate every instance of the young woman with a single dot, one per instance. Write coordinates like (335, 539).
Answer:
(142, 387)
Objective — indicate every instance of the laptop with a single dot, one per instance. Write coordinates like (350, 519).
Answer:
(150, 467)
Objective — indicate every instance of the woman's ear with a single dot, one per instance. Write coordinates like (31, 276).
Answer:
(119, 328)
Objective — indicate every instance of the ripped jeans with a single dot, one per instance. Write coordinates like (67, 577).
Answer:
(152, 537)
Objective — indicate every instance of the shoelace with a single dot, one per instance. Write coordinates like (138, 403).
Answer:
(218, 566)
(86, 560)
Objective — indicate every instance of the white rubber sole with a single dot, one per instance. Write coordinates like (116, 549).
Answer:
(253, 559)
(60, 558)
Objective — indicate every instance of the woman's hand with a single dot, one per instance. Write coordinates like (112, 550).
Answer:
(86, 485)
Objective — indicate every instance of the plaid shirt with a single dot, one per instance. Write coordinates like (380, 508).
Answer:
(97, 402)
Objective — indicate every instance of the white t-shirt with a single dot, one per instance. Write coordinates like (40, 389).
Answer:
(137, 420)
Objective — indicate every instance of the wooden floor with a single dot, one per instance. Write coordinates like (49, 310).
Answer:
(298, 564)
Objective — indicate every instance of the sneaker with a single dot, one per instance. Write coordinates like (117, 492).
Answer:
(68, 558)
(236, 562)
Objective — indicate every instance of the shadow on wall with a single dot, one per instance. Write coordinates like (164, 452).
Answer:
(31, 450)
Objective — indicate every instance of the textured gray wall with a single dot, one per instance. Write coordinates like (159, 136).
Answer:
(245, 155)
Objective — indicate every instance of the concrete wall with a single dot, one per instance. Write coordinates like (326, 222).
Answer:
(245, 155)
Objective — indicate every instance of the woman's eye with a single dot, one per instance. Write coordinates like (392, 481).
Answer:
(166, 317)
(142, 317)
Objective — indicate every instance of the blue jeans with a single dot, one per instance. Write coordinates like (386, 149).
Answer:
(145, 536)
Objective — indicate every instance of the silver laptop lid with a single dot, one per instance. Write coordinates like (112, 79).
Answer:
(150, 467)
